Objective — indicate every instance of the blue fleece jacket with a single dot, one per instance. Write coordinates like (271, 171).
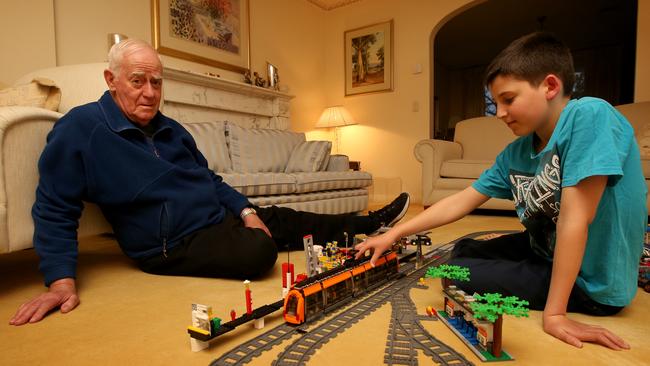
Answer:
(152, 190)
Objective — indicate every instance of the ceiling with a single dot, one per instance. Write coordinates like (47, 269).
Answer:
(331, 4)
(475, 36)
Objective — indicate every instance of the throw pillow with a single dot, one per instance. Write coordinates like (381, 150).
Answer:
(41, 93)
(260, 150)
(308, 156)
(210, 138)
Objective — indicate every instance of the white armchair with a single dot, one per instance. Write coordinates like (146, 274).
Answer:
(449, 167)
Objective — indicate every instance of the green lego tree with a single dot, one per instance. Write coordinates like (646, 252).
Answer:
(449, 272)
(491, 307)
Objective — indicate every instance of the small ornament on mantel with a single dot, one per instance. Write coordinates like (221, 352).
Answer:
(256, 79)
(259, 81)
(247, 77)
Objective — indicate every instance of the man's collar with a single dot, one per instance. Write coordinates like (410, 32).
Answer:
(117, 121)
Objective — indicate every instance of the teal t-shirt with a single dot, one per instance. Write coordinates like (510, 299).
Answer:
(590, 138)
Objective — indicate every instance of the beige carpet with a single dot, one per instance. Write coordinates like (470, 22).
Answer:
(127, 317)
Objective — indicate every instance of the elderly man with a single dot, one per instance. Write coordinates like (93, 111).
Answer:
(169, 212)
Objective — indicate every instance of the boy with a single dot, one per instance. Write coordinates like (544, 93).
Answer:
(575, 176)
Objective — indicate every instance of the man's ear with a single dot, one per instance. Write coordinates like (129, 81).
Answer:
(110, 79)
(553, 85)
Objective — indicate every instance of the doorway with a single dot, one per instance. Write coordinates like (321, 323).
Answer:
(600, 33)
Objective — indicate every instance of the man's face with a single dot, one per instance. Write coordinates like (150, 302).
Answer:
(136, 89)
(522, 106)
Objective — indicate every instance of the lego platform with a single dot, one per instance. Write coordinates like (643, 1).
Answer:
(133, 318)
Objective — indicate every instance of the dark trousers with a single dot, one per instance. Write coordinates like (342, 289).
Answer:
(231, 250)
(508, 265)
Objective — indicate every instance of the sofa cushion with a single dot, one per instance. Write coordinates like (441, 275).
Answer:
(324, 181)
(309, 156)
(473, 133)
(337, 163)
(261, 184)
(330, 202)
(41, 93)
(260, 150)
(463, 168)
(210, 139)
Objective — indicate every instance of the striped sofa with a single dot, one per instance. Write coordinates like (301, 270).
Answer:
(274, 167)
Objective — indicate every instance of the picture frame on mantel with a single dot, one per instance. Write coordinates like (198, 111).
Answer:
(369, 59)
(213, 32)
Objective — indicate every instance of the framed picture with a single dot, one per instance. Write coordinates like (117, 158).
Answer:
(211, 32)
(369, 59)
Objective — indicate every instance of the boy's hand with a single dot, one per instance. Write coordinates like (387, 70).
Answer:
(62, 293)
(379, 244)
(573, 333)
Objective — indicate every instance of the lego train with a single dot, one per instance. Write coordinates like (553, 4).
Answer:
(311, 298)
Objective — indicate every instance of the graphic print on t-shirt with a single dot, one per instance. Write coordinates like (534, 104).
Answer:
(537, 201)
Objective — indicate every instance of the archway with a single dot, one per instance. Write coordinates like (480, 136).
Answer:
(600, 33)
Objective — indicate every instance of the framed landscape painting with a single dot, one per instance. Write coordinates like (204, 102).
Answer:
(369, 59)
(212, 32)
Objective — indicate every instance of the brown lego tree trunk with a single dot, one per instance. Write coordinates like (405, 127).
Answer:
(496, 338)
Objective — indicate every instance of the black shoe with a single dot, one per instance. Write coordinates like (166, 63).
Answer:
(390, 214)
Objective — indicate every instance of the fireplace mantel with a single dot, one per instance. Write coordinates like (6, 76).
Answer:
(190, 97)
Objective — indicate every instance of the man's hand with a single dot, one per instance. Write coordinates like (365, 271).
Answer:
(62, 293)
(379, 244)
(253, 221)
(573, 333)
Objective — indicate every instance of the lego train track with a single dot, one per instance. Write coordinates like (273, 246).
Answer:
(245, 352)
(407, 335)
(303, 348)
(299, 352)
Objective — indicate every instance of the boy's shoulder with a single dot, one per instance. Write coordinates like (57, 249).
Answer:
(588, 102)
(587, 105)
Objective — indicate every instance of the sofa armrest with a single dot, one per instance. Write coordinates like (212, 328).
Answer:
(432, 153)
(338, 163)
(23, 132)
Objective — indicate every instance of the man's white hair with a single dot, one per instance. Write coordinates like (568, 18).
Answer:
(116, 53)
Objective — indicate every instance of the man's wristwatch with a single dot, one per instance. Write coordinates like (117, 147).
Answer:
(247, 211)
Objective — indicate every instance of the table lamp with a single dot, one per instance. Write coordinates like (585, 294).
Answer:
(336, 116)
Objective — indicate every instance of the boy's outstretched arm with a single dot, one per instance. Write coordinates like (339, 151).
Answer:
(578, 209)
(445, 211)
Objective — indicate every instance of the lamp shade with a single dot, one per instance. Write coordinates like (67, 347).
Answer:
(336, 116)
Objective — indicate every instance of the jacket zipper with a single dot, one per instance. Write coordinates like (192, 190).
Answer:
(164, 222)
(153, 147)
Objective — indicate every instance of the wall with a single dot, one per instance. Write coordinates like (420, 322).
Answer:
(389, 128)
(389, 125)
(274, 38)
(26, 38)
(304, 42)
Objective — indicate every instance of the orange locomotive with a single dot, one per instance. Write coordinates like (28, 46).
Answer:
(309, 299)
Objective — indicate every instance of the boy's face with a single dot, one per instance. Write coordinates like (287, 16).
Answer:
(522, 106)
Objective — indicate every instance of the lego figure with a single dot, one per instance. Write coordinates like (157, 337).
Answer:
(201, 315)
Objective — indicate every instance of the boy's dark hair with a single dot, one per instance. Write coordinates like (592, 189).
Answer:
(531, 58)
